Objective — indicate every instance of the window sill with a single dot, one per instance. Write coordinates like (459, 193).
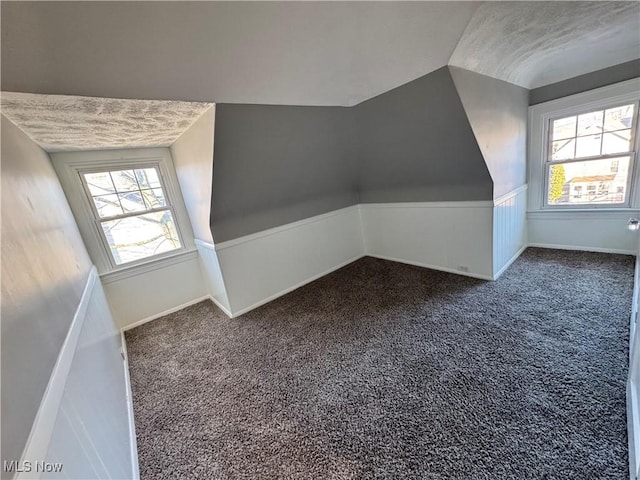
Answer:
(585, 213)
(142, 268)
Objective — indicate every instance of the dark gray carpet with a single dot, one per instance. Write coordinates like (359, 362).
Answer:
(383, 370)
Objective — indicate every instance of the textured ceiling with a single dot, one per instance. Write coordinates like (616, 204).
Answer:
(63, 123)
(537, 43)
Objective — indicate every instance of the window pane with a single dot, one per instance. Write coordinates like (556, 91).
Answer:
(141, 236)
(618, 118)
(132, 202)
(154, 198)
(107, 205)
(616, 142)
(563, 128)
(148, 177)
(124, 180)
(99, 183)
(563, 149)
(588, 146)
(590, 123)
(589, 182)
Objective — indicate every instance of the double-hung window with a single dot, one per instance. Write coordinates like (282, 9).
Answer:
(591, 152)
(132, 212)
(583, 150)
(127, 204)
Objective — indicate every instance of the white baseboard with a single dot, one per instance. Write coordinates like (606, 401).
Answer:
(44, 423)
(454, 237)
(509, 262)
(294, 287)
(263, 266)
(135, 467)
(224, 309)
(431, 267)
(582, 248)
(171, 310)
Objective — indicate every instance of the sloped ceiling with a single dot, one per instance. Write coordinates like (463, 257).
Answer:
(532, 44)
(62, 123)
(301, 53)
(291, 53)
(295, 53)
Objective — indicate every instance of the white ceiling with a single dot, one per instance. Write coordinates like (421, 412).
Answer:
(63, 123)
(533, 44)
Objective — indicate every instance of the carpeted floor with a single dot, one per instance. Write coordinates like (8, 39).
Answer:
(383, 370)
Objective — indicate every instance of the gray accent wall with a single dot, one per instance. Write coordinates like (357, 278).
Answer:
(44, 270)
(497, 111)
(278, 164)
(416, 145)
(589, 81)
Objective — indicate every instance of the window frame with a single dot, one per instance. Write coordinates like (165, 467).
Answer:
(71, 166)
(540, 118)
(548, 163)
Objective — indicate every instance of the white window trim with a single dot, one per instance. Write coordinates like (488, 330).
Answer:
(68, 166)
(539, 121)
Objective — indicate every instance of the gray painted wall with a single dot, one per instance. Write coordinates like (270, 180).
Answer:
(278, 164)
(589, 81)
(44, 270)
(416, 144)
(497, 112)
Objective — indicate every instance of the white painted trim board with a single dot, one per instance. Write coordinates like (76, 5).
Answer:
(173, 310)
(135, 467)
(294, 287)
(503, 198)
(431, 267)
(509, 262)
(39, 438)
(581, 248)
(282, 228)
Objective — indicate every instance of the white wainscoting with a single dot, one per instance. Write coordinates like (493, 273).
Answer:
(450, 236)
(260, 267)
(595, 231)
(85, 419)
(212, 274)
(509, 229)
(149, 294)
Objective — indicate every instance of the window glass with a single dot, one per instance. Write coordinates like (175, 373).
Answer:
(598, 178)
(135, 216)
(598, 137)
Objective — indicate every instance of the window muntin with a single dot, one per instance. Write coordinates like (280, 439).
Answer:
(132, 212)
(590, 157)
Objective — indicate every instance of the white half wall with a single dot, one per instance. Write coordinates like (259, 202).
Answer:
(509, 229)
(85, 421)
(477, 239)
(260, 267)
(591, 231)
(148, 294)
(449, 236)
